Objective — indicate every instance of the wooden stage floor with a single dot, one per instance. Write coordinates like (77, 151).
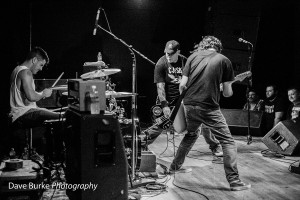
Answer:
(268, 173)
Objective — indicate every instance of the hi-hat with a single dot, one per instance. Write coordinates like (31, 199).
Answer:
(99, 73)
(114, 94)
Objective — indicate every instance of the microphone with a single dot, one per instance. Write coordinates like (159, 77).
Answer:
(244, 41)
(96, 22)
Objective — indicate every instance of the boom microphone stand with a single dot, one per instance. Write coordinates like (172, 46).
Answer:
(249, 84)
(134, 98)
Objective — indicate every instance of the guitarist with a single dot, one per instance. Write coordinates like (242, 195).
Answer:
(201, 103)
(167, 76)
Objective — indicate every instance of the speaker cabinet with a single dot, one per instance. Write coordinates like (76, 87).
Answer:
(95, 155)
(284, 138)
(237, 121)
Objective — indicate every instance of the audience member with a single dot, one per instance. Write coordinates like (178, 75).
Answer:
(274, 108)
(253, 101)
(294, 108)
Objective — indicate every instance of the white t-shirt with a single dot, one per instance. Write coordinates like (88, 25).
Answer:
(19, 104)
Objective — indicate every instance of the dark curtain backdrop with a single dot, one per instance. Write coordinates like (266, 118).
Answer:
(64, 29)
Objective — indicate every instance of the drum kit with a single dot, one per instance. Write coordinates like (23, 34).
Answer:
(113, 103)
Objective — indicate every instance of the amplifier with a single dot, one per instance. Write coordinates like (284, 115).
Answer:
(77, 91)
(237, 121)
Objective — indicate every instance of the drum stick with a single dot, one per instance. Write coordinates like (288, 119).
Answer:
(57, 80)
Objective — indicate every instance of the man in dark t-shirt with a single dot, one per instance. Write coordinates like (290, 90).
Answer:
(274, 108)
(201, 103)
(167, 74)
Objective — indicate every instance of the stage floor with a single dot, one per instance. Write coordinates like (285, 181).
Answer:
(268, 173)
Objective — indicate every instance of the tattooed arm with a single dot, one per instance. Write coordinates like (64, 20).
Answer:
(162, 97)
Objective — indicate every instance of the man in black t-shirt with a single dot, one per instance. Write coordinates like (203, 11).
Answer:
(274, 108)
(201, 102)
(167, 76)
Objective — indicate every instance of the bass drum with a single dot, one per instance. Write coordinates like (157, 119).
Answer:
(126, 130)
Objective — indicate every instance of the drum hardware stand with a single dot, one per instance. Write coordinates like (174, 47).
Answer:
(48, 164)
(134, 98)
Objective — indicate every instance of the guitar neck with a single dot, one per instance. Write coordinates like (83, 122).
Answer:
(241, 77)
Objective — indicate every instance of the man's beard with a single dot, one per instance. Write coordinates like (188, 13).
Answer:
(271, 97)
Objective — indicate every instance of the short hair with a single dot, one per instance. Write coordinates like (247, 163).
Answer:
(252, 90)
(172, 47)
(274, 87)
(294, 88)
(210, 42)
(39, 53)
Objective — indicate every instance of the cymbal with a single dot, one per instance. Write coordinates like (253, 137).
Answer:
(60, 87)
(95, 64)
(115, 94)
(99, 73)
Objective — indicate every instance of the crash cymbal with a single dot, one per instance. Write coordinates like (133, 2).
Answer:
(99, 73)
(115, 94)
(60, 87)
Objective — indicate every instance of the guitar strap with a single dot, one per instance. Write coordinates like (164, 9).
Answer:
(195, 73)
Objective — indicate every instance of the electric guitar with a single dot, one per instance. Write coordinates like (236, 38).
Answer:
(177, 117)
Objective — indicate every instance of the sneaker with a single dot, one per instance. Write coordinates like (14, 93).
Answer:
(217, 151)
(181, 170)
(239, 185)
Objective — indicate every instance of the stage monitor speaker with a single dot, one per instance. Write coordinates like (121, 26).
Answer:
(237, 120)
(95, 154)
(284, 138)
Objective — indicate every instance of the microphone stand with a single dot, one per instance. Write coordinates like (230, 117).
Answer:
(249, 84)
(134, 99)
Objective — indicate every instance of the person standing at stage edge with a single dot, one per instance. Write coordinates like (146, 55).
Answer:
(167, 76)
(274, 108)
(201, 103)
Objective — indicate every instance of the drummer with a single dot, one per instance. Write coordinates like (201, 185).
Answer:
(24, 112)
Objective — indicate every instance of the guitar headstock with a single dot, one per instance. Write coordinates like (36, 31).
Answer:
(242, 76)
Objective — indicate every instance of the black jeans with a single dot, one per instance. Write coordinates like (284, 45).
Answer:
(35, 118)
(214, 119)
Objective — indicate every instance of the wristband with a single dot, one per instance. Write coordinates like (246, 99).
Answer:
(164, 104)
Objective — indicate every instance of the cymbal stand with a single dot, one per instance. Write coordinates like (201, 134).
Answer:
(134, 98)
